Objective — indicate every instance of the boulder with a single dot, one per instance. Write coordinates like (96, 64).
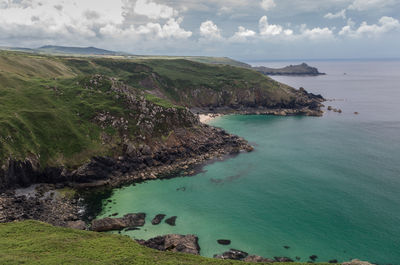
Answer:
(224, 241)
(357, 262)
(171, 221)
(79, 225)
(109, 224)
(254, 258)
(175, 243)
(157, 219)
(233, 254)
(313, 257)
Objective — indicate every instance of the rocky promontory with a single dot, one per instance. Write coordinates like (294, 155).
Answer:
(301, 69)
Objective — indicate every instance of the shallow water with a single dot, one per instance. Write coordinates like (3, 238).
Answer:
(326, 186)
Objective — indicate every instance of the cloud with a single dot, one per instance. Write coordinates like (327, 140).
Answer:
(243, 34)
(340, 14)
(267, 4)
(153, 10)
(209, 30)
(267, 29)
(385, 24)
(362, 5)
(318, 33)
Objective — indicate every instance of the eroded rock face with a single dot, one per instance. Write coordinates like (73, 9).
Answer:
(357, 262)
(109, 224)
(175, 243)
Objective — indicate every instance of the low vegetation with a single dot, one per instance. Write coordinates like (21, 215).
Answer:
(34, 242)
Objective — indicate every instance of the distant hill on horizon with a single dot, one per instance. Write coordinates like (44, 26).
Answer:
(77, 50)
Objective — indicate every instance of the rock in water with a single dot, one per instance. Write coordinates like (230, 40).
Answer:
(313, 257)
(157, 220)
(333, 261)
(175, 243)
(283, 259)
(232, 254)
(224, 241)
(254, 258)
(357, 262)
(171, 221)
(109, 224)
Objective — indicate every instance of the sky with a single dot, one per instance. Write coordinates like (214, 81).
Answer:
(244, 30)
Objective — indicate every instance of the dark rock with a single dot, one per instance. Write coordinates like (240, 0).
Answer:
(224, 241)
(109, 224)
(283, 259)
(114, 214)
(233, 254)
(157, 219)
(132, 229)
(175, 243)
(254, 258)
(171, 221)
(313, 257)
(298, 258)
(286, 247)
(333, 261)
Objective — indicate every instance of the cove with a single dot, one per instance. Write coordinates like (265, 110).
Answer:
(322, 186)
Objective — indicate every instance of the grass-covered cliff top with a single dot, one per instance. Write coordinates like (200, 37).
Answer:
(33, 242)
(50, 106)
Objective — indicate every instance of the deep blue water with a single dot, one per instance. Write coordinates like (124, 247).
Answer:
(326, 186)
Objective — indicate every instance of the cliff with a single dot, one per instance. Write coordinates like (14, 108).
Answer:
(67, 119)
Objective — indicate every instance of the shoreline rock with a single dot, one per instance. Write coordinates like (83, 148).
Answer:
(171, 221)
(157, 219)
(175, 243)
(110, 224)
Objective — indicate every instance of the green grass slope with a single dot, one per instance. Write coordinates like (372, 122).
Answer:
(33, 242)
(48, 106)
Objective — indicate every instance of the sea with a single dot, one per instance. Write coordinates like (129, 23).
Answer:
(326, 186)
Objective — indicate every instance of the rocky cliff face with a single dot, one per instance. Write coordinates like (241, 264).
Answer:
(147, 136)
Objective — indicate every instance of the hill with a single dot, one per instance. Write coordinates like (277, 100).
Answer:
(38, 243)
(76, 50)
(301, 69)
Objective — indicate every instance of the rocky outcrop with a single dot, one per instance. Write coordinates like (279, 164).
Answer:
(357, 262)
(175, 243)
(301, 69)
(224, 242)
(157, 219)
(109, 224)
(171, 221)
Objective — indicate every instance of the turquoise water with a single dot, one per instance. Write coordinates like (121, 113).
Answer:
(326, 186)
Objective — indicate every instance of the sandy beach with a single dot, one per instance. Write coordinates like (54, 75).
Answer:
(206, 118)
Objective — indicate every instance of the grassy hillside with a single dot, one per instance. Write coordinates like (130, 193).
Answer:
(49, 105)
(38, 243)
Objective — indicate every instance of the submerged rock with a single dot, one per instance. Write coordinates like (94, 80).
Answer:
(313, 257)
(333, 261)
(171, 221)
(357, 262)
(224, 241)
(283, 259)
(157, 219)
(109, 224)
(175, 243)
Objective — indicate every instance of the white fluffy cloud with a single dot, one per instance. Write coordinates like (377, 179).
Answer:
(243, 34)
(340, 14)
(268, 4)
(362, 5)
(318, 33)
(267, 29)
(154, 10)
(385, 24)
(209, 30)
